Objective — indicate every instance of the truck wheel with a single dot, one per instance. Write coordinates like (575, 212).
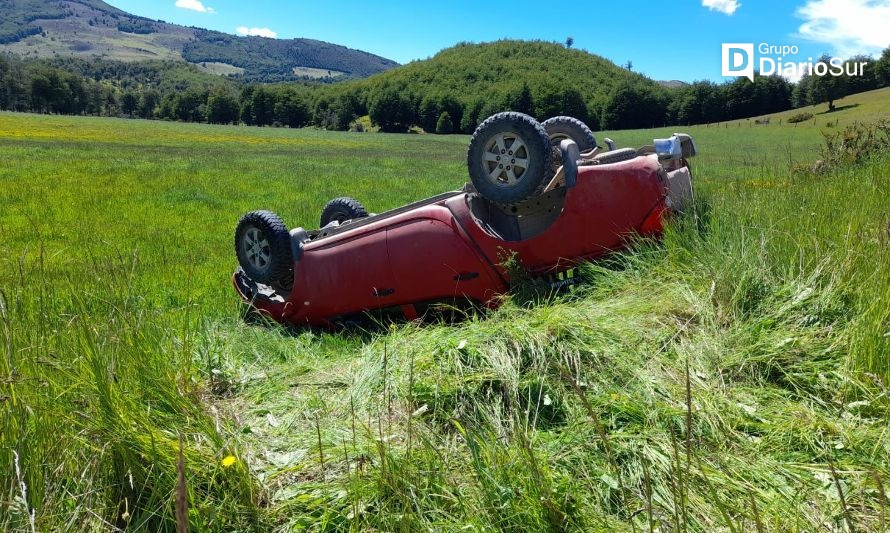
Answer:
(342, 209)
(262, 244)
(562, 128)
(509, 157)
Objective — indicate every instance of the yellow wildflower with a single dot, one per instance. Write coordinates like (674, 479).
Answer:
(229, 461)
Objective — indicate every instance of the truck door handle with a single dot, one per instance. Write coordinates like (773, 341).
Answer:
(466, 276)
(380, 293)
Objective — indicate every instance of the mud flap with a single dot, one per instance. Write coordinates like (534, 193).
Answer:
(259, 298)
(680, 189)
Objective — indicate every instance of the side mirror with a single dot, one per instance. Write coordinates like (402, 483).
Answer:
(298, 236)
(570, 156)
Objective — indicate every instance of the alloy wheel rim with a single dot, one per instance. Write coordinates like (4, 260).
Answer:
(506, 159)
(257, 249)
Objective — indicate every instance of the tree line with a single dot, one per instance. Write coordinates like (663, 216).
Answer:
(397, 101)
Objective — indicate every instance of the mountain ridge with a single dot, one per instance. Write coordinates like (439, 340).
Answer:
(35, 29)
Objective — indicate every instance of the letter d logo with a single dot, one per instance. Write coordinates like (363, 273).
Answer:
(738, 60)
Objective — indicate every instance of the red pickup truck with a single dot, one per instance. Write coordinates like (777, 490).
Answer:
(545, 194)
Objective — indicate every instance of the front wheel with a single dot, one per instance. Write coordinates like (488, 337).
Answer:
(262, 244)
(509, 157)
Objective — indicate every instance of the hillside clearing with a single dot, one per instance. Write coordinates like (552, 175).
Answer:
(317, 73)
(869, 106)
(221, 69)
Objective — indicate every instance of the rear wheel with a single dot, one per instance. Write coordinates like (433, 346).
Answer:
(342, 209)
(509, 157)
(562, 128)
(262, 244)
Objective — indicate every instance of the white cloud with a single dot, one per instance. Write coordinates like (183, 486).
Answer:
(727, 7)
(256, 32)
(850, 26)
(798, 72)
(194, 5)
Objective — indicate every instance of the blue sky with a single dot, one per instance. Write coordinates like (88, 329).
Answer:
(664, 40)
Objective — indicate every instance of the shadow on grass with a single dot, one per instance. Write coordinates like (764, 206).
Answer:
(838, 108)
(365, 326)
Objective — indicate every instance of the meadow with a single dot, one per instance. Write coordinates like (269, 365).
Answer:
(732, 377)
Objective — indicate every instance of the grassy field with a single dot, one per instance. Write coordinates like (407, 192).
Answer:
(733, 377)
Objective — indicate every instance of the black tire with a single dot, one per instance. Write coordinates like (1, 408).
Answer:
(342, 209)
(561, 128)
(262, 244)
(513, 183)
(615, 156)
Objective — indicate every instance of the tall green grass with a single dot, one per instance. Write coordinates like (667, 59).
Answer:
(715, 381)
(98, 387)
(732, 377)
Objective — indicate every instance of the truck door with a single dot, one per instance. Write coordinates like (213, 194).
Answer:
(432, 261)
(347, 276)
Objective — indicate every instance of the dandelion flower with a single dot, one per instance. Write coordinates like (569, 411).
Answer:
(229, 461)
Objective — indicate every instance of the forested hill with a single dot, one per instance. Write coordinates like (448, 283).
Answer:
(536, 77)
(35, 29)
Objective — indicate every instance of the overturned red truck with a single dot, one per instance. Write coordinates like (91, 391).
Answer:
(544, 193)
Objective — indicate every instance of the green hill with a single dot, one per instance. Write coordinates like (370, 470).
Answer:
(473, 81)
(91, 28)
(504, 65)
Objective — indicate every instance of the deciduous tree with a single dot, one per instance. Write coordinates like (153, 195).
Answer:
(882, 69)
(222, 107)
(827, 88)
(129, 103)
(392, 110)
